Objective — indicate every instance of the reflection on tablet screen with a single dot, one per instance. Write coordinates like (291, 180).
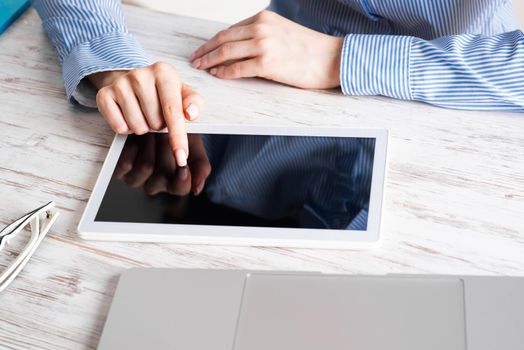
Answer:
(243, 180)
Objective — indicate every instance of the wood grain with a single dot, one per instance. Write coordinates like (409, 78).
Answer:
(454, 200)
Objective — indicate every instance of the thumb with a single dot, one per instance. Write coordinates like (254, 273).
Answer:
(192, 103)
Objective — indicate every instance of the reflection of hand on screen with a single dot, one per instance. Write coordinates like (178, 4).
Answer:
(147, 161)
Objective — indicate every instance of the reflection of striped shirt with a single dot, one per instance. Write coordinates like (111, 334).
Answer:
(452, 53)
(323, 182)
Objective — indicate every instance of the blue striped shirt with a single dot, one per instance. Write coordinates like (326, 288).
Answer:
(451, 53)
(89, 36)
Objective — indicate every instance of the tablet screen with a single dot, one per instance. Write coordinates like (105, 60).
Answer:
(243, 180)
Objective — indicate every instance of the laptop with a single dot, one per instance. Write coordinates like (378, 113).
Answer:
(239, 310)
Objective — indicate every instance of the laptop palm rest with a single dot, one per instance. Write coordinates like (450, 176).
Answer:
(344, 313)
(181, 309)
(174, 309)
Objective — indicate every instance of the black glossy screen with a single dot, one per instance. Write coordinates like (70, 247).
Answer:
(245, 180)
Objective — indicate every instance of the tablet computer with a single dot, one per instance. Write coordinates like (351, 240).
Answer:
(244, 185)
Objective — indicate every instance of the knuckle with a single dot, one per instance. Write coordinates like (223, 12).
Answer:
(136, 73)
(141, 130)
(204, 61)
(221, 72)
(263, 44)
(136, 82)
(264, 61)
(120, 129)
(261, 15)
(161, 67)
(264, 15)
(167, 108)
(259, 29)
(102, 95)
(224, 50)
(137, 76)
(206, 168)
(221, 36)
(126, 166)
(146, 168)
(157, 125)
(119, 86)
(234, 70)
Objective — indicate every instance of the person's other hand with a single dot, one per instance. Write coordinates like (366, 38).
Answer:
(147, 162)
(148, 98)
(270, 46)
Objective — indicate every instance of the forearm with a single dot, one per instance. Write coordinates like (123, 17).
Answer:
(464, 71)
(470, 71)
(89, 36)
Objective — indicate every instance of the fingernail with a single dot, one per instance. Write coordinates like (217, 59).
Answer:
(182, 174)
(192, 111)
(213, 71)
(200, 187)
(196, 63)
(181, 157)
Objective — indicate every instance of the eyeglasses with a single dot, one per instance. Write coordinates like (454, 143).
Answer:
(40, 221)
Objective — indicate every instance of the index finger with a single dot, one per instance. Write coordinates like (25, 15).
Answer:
(169, 90)
(227, 35)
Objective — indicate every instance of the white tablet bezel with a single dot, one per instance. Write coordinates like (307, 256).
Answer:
(88, 228)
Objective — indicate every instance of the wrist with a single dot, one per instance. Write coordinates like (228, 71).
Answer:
(102, 79)
(334, 65)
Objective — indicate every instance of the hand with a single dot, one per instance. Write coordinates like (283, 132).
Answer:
(148, 98)
(147, 162)
(270, 46)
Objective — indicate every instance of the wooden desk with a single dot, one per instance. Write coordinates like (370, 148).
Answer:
(455, 191)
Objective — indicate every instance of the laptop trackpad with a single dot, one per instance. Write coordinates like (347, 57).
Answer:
(344, 313)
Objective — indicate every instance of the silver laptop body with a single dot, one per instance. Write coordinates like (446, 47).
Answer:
(239, 310)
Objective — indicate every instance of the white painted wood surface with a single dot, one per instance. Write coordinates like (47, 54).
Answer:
(224, 11)
(454, 205)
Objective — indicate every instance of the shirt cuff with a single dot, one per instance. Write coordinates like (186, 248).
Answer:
(376, 65)
(112, 51)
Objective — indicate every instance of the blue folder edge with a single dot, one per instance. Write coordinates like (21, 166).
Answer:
(12, 13)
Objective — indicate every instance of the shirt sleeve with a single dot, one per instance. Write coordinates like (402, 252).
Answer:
(464, 71)
(89, 36)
